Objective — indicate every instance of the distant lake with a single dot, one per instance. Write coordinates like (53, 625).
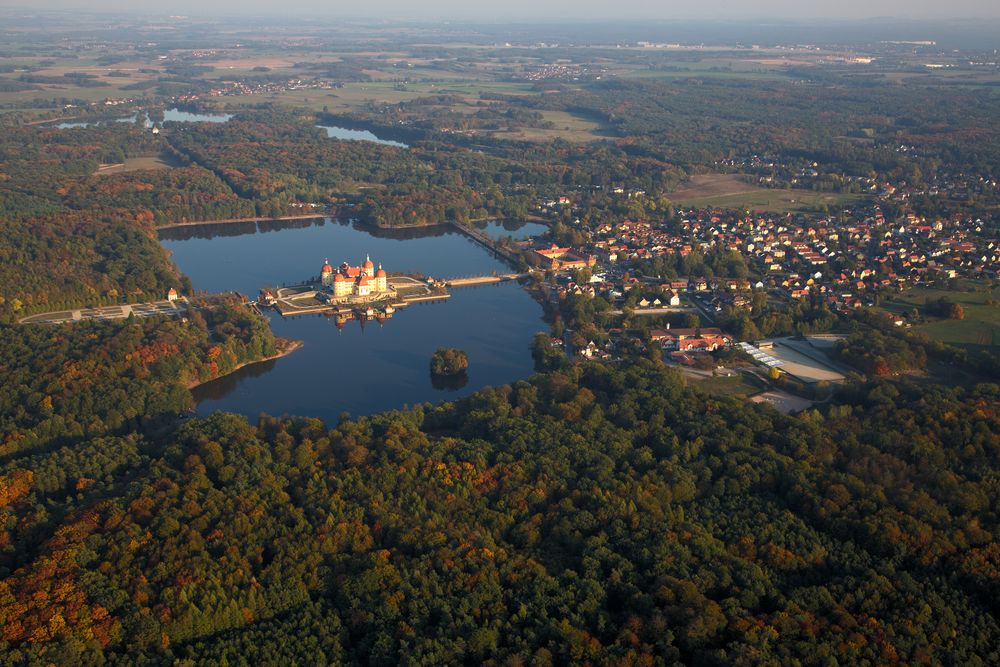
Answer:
(89, 123)
(179, 116)
(174, 114)
(335, 132)
(516, 229)
(367, 369)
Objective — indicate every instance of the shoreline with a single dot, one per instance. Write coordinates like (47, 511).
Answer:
(291, 346)
(455, 223)
(230, 221)
(333, 214)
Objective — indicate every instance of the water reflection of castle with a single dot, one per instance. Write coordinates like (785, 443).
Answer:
(348, 281)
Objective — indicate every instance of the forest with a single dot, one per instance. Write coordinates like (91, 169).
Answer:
(62, 260)
(589, 515)
(65, 383)
(693, 122)
(279, 158)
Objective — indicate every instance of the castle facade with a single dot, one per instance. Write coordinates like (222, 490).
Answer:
(355, 281)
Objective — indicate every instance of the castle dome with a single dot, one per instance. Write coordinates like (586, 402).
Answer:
(380, 273)
(369, 264)
(327, 268)
(339, 278)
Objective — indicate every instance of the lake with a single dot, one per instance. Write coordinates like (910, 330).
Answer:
(360, 370)
(179, 116)
(335, 132)
(175, 115)
(515, 229)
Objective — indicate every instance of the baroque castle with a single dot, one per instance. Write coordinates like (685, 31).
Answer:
(357, 281)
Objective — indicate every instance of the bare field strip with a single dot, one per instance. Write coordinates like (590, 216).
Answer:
(133, 164)
(713, 185)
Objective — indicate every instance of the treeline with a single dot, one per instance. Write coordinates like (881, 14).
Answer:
(590, 515)
(878, 354)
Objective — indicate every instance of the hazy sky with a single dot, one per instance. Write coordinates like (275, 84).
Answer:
(567, 9)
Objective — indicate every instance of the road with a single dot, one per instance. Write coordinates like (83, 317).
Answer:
(667, 310)
(170, 308)
(703, 308)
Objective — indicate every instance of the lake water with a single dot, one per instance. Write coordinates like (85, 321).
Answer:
(357, 135)
(367, 369)
(175, 115)
(179, 116)
(516, 229)
(88, 123)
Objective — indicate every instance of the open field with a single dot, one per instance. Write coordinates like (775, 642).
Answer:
(134, 164)
(103, 85)
(704, 186)
(740, 384)
(731, 191)
(345, 99)
(980, 328)
(567, 126)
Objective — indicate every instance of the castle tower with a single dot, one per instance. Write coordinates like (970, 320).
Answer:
(381, 280)
(341, 285)
(368, 268)
(326, 275)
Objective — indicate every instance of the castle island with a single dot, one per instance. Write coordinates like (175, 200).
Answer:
(352, 292)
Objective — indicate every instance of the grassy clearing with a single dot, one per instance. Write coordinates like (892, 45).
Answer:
(704, 186)
(773, 200)
(980, 328)
(135, 164)
(567, 126)
(738, 385)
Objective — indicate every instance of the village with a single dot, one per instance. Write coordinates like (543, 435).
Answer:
(838, 264)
